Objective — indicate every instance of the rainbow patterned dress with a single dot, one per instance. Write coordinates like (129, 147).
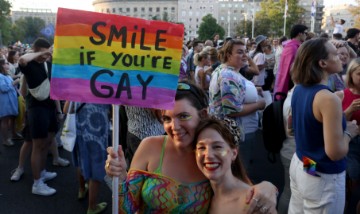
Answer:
(152, 192)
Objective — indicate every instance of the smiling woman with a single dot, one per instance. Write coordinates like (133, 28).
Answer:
(163, 175)
(217, 158)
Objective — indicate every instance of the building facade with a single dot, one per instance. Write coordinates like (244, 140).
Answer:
(44, 14)
(318, 14)
(338, 12)
(157, 9)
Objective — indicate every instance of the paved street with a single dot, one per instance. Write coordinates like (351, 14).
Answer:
(16, 197)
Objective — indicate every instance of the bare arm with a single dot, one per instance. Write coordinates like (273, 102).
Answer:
(26, 58)
(249, 108)
(336, 142)
(253, 68)
(23, 86)
(332, 22)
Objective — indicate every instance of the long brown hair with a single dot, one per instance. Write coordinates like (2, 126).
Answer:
(306, 69)
(237, 168)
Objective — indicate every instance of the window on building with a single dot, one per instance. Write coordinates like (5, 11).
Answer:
(143, 9)
(120, 10)
(173, 9)
(108, 10)
(114, 10)
(165, 8)
(128, 9)
(150, 9)
(158, 9)
(135, 9)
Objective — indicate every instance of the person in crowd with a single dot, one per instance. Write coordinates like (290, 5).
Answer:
(197, 47)
(183, 65)
(167, 165)
(338, 26)
(278, 52)
(214, 60)
(9, 103)
(208, 43)
(287, 151)
(42, 114)
(13, 57)
(322, 136)
(216, 40)
(142, 123)
(26, 148)
(89, 154)
(283, 81)
(259, 58)
(351, 105)
(275, 44)
(338, 36)
(269, 68)
(252, 48)
(353, 37)
(217, 158)
(346, 53)
(233, 97)
(324, 35)
(202, 62)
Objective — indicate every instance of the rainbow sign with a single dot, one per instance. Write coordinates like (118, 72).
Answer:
(112, 59)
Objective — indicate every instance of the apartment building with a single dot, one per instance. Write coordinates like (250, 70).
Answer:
(145, 9)
(338, 12)
(45, 14)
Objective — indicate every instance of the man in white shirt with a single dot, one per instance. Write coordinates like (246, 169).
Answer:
(338, 26)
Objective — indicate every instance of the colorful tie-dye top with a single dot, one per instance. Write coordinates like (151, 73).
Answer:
(152, 192)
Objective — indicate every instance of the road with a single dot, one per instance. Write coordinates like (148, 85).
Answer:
(16, 197)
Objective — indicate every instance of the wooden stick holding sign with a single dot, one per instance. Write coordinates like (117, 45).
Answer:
(113, 59)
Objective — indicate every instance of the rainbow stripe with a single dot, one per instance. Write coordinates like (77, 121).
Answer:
(73, 74)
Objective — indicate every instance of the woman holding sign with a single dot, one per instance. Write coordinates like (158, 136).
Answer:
(163, 175)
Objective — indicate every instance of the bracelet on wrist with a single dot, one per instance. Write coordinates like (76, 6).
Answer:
(348, 134)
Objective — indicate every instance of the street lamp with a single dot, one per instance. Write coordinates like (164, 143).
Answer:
(228, 18)
(253, 20)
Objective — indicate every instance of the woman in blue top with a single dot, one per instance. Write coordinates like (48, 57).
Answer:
(317, 170)
(9, 103)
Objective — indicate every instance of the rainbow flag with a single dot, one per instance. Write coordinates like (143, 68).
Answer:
(113, 59)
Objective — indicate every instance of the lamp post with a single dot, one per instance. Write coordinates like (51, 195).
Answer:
(253, 20)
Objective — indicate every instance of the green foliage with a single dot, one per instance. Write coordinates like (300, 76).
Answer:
(165, 16)
(5, 7)
(28, 29)
(208, 28)
(355, 12)
(244, 28)
(270, 19)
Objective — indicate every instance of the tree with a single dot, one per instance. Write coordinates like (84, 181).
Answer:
(28, 29)
(208, 28)
(244, 28)
(270, 19)
(5, 7)
(355, 12)
(165, 17)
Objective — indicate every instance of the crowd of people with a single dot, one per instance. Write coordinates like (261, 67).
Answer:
(195, 157)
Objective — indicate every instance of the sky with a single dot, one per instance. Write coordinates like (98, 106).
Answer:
(87, 4)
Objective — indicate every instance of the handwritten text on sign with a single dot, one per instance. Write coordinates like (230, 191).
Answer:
(98, 56)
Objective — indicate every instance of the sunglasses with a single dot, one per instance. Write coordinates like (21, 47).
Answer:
(186, 87)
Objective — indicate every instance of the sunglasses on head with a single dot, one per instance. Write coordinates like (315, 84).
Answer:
(186, 87)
